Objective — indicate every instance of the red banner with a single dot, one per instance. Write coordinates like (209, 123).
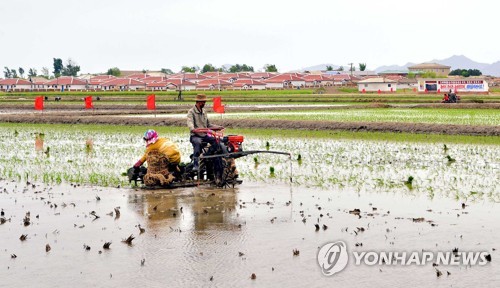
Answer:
(88, 102)
(218, 107)
(151, 102)
(39, 103)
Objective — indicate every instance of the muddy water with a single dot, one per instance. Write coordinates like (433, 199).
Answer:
(194, 234)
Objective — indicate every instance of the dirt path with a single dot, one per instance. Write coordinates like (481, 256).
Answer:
(88, 118)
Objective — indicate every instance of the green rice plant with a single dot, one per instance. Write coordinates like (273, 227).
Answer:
(450, 159)
(409, 182)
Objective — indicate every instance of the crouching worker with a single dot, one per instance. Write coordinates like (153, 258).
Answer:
(163, 157)
(200, 128)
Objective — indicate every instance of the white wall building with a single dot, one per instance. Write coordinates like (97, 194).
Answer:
(377, 84)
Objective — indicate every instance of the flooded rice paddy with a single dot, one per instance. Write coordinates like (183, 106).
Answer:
(209, 237)
(393, 115)
(60, 190)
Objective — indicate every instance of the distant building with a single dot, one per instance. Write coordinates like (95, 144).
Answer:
(377, 84)
(463, 85)
(15, 84)
(440, 70)
(394, 73)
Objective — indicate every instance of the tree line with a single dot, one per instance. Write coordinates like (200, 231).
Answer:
(70, 68)
(466, 72)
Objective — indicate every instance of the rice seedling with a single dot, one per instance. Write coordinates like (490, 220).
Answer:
(344, 164)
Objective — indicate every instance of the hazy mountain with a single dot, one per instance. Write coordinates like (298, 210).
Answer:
(456, 62)
(461, 62)
(492, 69)
(394, 67)
(318, 67)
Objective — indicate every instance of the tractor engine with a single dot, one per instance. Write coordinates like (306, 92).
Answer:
(234, 143)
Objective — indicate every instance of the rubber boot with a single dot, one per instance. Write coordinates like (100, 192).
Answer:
(196, 165)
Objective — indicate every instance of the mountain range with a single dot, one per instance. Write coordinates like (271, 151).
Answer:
(455, 61)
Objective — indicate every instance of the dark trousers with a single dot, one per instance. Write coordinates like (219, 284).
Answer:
(197, 146)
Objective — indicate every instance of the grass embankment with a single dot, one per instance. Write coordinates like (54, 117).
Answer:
(270, 133)
(232, 97)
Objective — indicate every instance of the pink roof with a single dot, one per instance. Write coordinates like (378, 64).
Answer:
(96, 80)
(14, 81)
(213, 74)
(138, 76)
(102, 77)
(315, 77)
(213, 82)
(179, 81)
(123, 82)
(189, 76)
(39, 80)
(66, 80)
(258, 75)
(300, 75)
(341, 77)
(153, 79)
(157, 84)
(243, 82)
(282, 78)
(233, 75)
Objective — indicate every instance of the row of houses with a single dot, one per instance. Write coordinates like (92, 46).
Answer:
(181, 81)
(370, 82)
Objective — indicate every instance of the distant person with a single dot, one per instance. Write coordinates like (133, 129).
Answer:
(453, 98)
(446, 98)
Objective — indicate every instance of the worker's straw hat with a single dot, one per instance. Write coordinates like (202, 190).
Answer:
(201, 98)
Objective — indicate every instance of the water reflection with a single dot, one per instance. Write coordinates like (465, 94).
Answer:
(195, 209)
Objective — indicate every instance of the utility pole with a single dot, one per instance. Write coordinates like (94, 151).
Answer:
(351, 67)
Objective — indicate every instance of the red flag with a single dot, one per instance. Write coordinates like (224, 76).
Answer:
(218, 107)
(88, 102)
(39, 103)
(151, 102)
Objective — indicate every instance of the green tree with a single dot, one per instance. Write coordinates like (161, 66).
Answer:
(208, 68)
(58, 67)
(240, 68)
(341, 68)
(411, 75)
(21, 72)
(45, 72)
(32, 72)
(166, 71)
(474, 72)
(329, 68)
(428, 74)
(465, 72)
(114, 71)
(186, 69)
(71, 68)
(362, 66)
(270, 68)
(7, 72)
(13, 73)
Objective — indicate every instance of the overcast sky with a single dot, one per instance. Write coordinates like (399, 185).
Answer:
(154, 34)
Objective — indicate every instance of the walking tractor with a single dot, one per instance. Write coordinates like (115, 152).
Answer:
(217, 165)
